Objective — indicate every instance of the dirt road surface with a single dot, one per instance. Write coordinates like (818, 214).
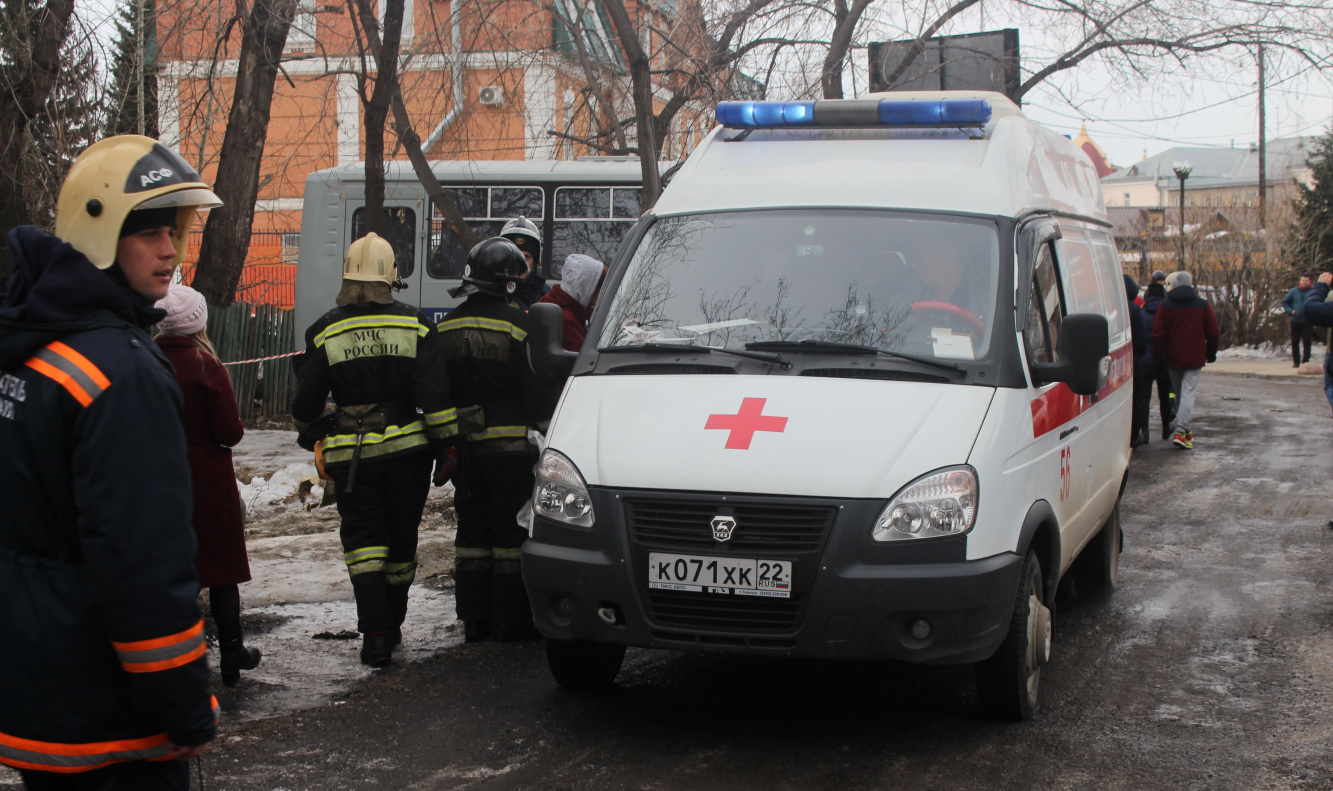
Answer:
(1210, 668)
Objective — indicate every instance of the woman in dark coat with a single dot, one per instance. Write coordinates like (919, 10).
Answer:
(212, 427)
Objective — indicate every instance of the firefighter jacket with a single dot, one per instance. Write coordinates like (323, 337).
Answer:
(376, 354)
(101, 642)
(485, 342)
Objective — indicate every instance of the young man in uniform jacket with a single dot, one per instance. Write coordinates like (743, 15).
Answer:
(102, 671)
(1184, 337)
(485, 342)
(380, 359)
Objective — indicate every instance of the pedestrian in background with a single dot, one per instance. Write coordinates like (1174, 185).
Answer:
(212, 429)
(103, 674)
(576, 294)
(1302, 333)
(1185, 336)
(1166, 397)
(1319, 313)
(1140, 333)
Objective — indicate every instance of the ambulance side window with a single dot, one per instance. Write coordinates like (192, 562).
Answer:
(1045, 311)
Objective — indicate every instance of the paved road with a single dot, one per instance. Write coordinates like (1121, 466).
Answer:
(1212, 668)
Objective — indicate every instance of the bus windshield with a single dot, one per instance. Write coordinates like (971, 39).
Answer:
(914, 284)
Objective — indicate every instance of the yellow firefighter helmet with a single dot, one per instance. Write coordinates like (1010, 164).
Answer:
(370, 260)
(116, 176)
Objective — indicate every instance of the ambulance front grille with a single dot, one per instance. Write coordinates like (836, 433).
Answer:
(767, 528)
(724, 613)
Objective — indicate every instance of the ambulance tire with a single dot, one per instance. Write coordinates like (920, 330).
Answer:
(1097, 569)
(582, 666)
(1008, 682)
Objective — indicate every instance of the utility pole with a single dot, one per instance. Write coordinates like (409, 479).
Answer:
(1263, 140)
(138, 59)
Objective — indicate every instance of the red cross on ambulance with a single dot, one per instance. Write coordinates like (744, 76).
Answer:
(745, 423)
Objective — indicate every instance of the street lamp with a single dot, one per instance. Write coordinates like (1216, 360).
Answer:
(1182, 170)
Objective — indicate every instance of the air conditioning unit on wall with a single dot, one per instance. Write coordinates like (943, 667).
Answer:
(491, 95)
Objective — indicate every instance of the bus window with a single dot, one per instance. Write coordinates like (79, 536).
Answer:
(400, 230)
(486, 210)
(592, 221)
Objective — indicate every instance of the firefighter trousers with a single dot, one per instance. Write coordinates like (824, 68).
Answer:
(380, 517)
(128, 776)
(490, 491)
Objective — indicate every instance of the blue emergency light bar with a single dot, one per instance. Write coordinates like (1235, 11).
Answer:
(918, 113)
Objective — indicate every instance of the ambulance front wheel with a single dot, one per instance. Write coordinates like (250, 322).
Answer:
(583, 666)
(1008, 682)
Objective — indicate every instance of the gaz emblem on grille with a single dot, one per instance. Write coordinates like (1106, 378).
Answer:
(723, 527)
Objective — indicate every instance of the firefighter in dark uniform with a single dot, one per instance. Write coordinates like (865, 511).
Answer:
(490, 363)
(381, 361)
(103, 679)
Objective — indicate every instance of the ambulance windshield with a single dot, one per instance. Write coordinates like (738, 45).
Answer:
(911, 283)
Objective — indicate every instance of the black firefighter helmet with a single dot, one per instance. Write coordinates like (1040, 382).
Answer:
(493, 267)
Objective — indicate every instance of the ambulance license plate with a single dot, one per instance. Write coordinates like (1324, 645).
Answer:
(728, 576)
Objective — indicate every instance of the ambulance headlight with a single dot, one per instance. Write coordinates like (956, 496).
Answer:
(560, 493)
(943, 503)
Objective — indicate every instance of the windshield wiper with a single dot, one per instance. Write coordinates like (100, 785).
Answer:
(688, 348)
(830, 347)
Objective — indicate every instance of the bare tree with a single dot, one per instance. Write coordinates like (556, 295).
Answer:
(226, 238)
(31, 41)
(846, 19)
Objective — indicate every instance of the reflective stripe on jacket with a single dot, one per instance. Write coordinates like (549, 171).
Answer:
(485, 343)
(377, 354)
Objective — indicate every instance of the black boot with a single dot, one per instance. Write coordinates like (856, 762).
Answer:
(224, 603)
(513, 614)
(235, 657)
(377, 648)
(476, 631)
(398, 610)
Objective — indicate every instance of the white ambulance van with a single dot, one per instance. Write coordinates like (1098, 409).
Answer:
(858, 386)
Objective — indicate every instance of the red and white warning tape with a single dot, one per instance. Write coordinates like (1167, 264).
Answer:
(263, 359)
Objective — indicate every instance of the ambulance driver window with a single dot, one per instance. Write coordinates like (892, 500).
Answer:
(917, 284)
(1041, 330)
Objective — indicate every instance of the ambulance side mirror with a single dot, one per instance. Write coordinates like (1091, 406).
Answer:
(548, 339)
(1085, 349)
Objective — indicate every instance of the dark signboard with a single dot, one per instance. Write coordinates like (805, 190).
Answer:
(972, 62)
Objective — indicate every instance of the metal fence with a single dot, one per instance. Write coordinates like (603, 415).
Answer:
(250, 332)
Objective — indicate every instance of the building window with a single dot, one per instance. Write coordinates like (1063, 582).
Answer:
(291, 247)
(1127, 199)
(301, 35)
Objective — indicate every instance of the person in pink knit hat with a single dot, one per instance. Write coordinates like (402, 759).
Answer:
(212, 428)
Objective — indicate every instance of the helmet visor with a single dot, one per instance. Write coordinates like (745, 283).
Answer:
(197, 197)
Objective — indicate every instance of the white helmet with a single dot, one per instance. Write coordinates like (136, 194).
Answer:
(370, 260)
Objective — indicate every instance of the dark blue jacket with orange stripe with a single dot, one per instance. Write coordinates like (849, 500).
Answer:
(101, 642)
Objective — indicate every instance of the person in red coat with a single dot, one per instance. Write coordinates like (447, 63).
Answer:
(1185, 335)
(212, 428)
(576, 294)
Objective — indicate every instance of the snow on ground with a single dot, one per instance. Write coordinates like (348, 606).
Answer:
(300, 587)
(1265, 351)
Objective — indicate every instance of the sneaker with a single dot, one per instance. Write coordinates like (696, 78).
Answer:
(1182, 441)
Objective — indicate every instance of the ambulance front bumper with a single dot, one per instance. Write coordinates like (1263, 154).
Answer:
(850, 597)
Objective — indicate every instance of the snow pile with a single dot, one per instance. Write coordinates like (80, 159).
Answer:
(278, 490)
(1265, 351)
